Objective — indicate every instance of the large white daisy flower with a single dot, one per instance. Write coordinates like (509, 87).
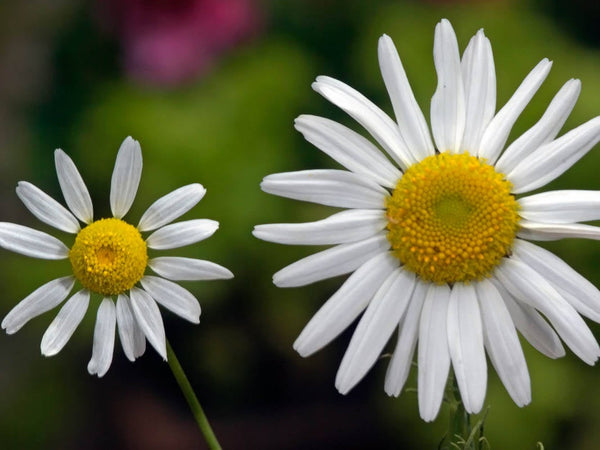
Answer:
(437, 242)
(109, 257)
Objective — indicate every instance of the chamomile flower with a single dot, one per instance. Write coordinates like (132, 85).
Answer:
(435, 237)
(109, 257)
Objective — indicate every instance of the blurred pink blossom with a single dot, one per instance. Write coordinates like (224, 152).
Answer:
(173, 41)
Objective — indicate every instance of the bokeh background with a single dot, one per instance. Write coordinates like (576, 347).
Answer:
(210, 88)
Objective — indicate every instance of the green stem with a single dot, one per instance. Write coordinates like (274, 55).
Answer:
(190, 396)
(460, 421)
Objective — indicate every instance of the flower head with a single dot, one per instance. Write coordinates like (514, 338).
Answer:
(435, 234)
(109, 257)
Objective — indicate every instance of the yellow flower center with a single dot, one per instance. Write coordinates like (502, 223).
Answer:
(109, 256)
(451, 218)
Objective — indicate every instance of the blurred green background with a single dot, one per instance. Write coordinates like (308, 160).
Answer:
(72, 76)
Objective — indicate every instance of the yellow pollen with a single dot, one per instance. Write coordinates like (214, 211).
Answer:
(109, 256)
(451, 218)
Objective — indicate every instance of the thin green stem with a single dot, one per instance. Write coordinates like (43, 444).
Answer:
(462, 434)
(190, 396)
(459, 426)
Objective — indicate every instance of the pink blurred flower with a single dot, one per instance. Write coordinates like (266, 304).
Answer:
(172, 41)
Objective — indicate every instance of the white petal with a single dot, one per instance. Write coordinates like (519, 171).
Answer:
(126, 177)
(330, 263)
(346, 226)
(73, 188)
(64, 324)
(181, 234)
(173, 297)
(532, 325)
(147, 315)
(365, 112)
(38, 302)
(46, 208)
(408, 331)
(176, 268)
(574, 288)
(30, 242)
(171, 206)
(104, 339)
(552, 159)
(544, 131)
(348, 148)
(496, 133)
(531, 288)
(132, 338)
(479, 78)
(337, 188)
(465, 343)
(448, 101)
(345, 305)
(503, 344)
(561, 206)
(582, 306)
(535, 329)
(433, 355)
(536, 231)
(409, 116)
(375, 328)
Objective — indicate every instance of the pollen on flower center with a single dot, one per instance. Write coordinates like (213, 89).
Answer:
(451, 218)
(109, 256)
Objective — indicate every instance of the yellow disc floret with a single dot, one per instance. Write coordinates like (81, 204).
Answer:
(109, 256)
(451, 218)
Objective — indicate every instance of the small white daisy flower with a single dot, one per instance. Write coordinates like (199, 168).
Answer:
(437, 242)
(109, 257)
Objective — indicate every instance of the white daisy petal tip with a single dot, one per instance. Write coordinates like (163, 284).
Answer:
(131, 336)
(338, 260)
(300, 120)
(279, 282)
(148, 317)
(342, 389)
(63, 326)
(43, 299)
(532, 288)
(497, 132)
(104, 339)
(301, 350)
(465, 342)
(171, 206)
(448, 110)
(180, 234)
(179, 269)
(375, 328)
(553, 158)
(261, 232)
(444, 30)
(130, 146)
(200, 190)
(30, 242)
(383, 129)
(130, 142)
(173, 297)
(73, 187)
(385, 42)
(126, 177)
(46, 209)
